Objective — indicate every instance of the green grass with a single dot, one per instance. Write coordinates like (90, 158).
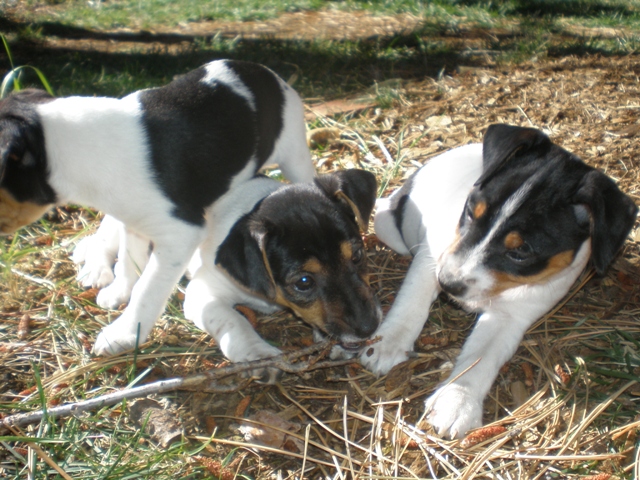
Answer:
(464, 32)
(149, 13)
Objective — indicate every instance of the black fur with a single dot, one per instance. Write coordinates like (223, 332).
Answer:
(400, 204)
(23, 160)
(200, 141)
(547, 219)
(298, 223)
(501, 142)
(612, 216)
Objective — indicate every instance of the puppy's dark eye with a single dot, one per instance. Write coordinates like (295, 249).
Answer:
(468, 214)
(358, 255)
(520, 254)
(304, 283)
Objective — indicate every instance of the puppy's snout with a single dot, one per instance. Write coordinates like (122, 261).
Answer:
(454, 283)
(457, 288)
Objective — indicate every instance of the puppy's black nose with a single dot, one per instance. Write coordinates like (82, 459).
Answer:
(457, 288)
(365, 329)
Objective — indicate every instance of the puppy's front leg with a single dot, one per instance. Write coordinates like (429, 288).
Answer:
(407, 316)
(456, 408)
(168, 261)
(209, 303)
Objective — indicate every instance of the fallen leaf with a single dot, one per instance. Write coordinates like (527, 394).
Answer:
(564, 376)
(216, 468)
(320, 137)
(398, 377)
(519, 393)
(257, 430)
(161, 424)
(438, 121)
(249, 314)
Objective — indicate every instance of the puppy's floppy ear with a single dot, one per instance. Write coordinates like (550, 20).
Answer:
(612, 215)
(501, 142)
(242, 255)
(11, 144)
(20, 141)
(354, 188)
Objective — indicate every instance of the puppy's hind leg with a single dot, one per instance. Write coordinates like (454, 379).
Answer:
(98, 254)
(291, 152)
(133, 256)
(172, 251)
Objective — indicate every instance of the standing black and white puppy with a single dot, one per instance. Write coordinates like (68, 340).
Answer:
(505, 228)
(156, 160)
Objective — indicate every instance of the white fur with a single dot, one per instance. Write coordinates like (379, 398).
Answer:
(436, 202)
(457, 407)
(98, 254)
(441, 188)
(98, 156)
(211, 294)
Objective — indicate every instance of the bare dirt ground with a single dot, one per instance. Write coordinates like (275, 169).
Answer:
(559, 416)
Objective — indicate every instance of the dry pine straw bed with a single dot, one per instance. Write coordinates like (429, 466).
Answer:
(565, 404)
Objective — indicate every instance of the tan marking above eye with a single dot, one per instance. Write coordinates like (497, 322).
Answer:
(557, 263)
(513, 240)
(480, 209)
(312, 265)
(347, 250)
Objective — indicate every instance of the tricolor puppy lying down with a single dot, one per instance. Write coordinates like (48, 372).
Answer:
(504, 227)
(274, 246)
(158, 160)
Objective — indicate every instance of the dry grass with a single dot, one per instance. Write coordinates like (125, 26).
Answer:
(568, 400)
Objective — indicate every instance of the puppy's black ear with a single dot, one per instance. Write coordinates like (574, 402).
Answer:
(242, 255)
(354, 188)
(12, 146)
(501, 142)
(612, 216)
(20, 138)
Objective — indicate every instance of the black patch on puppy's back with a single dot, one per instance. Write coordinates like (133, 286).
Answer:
(269, 101)
(202, 134)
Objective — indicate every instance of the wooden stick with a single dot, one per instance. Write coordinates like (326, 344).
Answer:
(284, 362)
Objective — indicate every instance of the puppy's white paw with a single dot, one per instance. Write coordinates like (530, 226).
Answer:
(453, 410)
(95, 276)
(114, 295)
(80, 251)
(119, 336)
(382, 356)
(98, 259)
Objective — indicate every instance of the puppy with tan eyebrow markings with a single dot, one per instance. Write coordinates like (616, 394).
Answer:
(504, 227)
(271, 246)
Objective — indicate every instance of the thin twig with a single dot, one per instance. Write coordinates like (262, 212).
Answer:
(283, 362)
